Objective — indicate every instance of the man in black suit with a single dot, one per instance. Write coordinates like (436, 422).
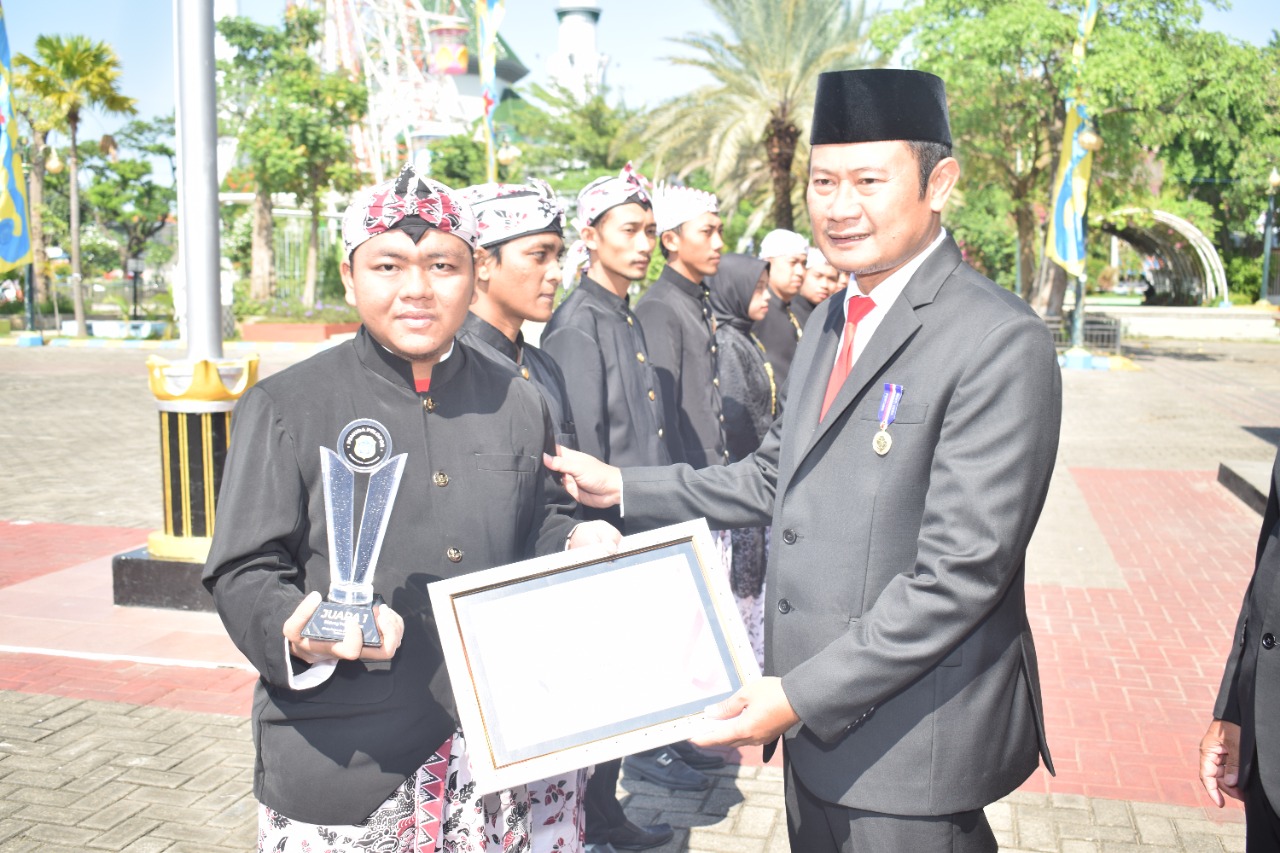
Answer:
(1240, 753)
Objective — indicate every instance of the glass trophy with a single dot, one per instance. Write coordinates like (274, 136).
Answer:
(363, 454)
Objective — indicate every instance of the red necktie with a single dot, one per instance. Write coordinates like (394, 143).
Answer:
(857, 308)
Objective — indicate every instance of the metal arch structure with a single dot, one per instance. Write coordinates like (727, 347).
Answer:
(1190, 271)
(386, 43)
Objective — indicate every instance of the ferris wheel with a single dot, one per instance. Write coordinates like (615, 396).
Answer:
(409, 53)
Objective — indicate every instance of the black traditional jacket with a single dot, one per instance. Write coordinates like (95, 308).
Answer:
(474, 494)
(529, 363)
(780, 332)
(597, 341)
(676, 315)
(801, 308)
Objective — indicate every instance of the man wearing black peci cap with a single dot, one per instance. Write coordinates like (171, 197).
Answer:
(903, 477)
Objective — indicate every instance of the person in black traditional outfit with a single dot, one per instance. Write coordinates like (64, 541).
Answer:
(597, 340)
(594, 335)
(740, 298)
(676, 315)
(780, 330)
(820, 281)
(521, 241)
(358, 747)
(517, 274)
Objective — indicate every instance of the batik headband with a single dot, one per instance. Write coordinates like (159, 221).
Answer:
(608, 192)
(505, 211)
(387, 205)
(674, 206)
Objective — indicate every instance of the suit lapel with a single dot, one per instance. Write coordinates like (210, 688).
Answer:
(895, 330)
(898, 326)
(811, 392)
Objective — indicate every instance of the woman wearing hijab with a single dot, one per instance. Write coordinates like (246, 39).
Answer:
(749, 398)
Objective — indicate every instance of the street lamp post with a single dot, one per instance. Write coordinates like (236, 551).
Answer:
(1269, 224)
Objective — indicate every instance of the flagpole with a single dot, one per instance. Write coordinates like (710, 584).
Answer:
(1077, 316)
(30, 297)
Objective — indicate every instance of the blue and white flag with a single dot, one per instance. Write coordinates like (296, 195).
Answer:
(15, 235)
(1065, 238)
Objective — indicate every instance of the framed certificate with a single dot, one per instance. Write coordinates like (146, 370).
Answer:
(575, 658)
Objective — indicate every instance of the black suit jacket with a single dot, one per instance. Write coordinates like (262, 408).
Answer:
(1250, 691)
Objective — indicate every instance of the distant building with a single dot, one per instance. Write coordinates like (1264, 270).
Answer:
(577, 65)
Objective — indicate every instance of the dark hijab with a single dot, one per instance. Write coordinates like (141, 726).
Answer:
(732, 287)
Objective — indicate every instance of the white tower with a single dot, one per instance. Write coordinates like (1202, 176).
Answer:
(577, 65)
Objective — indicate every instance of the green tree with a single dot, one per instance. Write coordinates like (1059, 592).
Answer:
(328, 105)
(291, 119)
(573, 140)
(1007, 64)
(747, 127)
(71, 75)
(124, 199)
(458, 160)
(1221, 142)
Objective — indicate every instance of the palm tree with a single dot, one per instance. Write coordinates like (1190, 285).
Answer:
(746, 128)
(73, 74)
(40, 122)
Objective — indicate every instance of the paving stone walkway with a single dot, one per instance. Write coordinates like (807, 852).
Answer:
(1133, 582)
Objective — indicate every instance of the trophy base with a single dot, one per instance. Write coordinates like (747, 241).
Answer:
(329, 623)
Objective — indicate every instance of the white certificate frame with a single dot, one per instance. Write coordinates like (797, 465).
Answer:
(545, 685)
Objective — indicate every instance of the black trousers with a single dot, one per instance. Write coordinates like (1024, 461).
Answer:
(600, 802)
(1261, 824)
(816, 826)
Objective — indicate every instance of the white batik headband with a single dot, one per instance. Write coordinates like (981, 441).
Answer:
(506, 211)
(674, 206)
(608, 192)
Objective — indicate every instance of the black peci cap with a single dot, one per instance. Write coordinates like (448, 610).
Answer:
(878, 104)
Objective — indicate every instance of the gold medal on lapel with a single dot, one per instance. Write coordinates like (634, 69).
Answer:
(882, 442)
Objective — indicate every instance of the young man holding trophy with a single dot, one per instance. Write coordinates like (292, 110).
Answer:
(354, 479)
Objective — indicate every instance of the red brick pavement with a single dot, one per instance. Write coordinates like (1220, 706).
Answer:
(33, 549)
(214, 691)
(1130, 675)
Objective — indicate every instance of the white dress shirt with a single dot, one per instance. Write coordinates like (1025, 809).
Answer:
(883, 295)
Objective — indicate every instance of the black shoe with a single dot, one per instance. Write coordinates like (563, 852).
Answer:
(665, 768)
(696, 758)
(632, 837)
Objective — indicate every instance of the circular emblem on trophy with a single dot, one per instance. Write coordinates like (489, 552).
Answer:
(365, 444)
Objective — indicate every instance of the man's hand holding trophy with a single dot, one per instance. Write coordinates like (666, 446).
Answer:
(353, 622)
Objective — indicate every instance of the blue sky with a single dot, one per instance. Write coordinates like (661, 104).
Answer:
(634, 36)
